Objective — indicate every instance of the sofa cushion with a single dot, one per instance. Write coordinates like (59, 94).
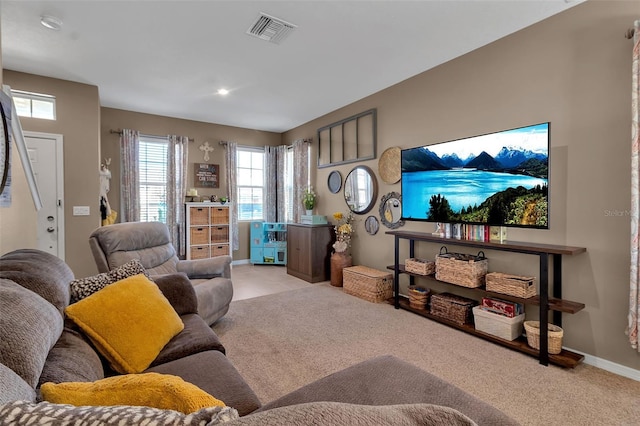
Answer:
(25, 413)
(29, 328)
(40, 272)
(179, 292)
(196, 337)
(338, 414)
(13, 387)
(388, 380)
(72, 359)
(129, 322)
(212, 372)
(83, 287)
(149, 389)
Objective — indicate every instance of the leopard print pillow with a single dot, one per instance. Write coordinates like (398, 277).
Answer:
(45, 413)
(83, 287)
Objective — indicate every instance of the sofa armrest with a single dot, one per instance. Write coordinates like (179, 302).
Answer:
(179, 291)
(219, 266)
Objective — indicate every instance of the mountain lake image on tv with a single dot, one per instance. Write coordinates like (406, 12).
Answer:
(498, 179)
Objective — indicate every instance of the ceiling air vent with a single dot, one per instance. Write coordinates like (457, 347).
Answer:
(270, 28)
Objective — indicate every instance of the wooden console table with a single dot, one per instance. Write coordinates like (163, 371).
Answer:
(546, 302)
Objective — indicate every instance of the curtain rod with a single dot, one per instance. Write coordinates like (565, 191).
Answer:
(119, 132)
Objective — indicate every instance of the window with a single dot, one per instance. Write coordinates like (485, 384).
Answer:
(250, 178)
(34, 105)
(153, 178)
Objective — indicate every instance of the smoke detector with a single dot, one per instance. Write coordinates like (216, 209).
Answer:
(270, 28)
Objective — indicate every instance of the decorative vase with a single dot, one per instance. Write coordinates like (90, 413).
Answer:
(339, 261)
(309, 212)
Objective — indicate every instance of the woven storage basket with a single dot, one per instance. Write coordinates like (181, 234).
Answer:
(419, 266)
(199, 215)
(220, 234)
(554, 339)
(418, 297)
(454, 308)
(368, 283)
(199, 235)
(465, 270)
(513, 285)
(219, 215)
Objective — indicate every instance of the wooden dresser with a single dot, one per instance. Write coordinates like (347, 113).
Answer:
(309, 251)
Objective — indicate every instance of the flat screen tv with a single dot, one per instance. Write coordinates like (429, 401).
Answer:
(497, 179)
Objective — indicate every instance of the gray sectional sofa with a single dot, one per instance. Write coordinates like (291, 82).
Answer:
(38, 344)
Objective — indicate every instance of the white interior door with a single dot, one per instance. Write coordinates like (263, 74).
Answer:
(46, 155)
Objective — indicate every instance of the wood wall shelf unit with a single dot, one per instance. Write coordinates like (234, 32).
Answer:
(547, 302)
(208, 230)
(309, 251)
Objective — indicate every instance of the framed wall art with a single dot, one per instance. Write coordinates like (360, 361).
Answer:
(206, 175)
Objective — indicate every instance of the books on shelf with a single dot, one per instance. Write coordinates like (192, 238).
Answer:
(463, 231)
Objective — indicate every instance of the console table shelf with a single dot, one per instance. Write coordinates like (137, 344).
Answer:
(560, 305)
(564, 359)
(547, 302)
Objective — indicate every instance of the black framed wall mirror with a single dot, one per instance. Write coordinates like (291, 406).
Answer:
(360, 189)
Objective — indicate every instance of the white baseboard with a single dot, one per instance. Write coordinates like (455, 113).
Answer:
(609, 366)
(241, 262)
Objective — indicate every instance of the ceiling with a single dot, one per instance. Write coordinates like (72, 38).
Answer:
(170, 57)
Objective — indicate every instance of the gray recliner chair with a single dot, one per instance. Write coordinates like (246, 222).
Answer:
(150, 243)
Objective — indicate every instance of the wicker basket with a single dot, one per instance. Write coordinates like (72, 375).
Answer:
(513, 285)
(199, 235)
(554, 336)
(199, 215)
(419, 266)
(220, 234)
(368, 283)
(219, 215)
(418, 297)
(465, 270)
(454, 308)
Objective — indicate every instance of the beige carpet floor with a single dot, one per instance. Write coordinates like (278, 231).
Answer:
(283, 341)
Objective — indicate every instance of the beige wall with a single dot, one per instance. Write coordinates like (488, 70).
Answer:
(78, 120)
(573, 70)
(114, 119)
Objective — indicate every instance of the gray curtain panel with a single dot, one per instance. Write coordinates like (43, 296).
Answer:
(129, 182)
(232, 191)
(178, 155)
(300, 175)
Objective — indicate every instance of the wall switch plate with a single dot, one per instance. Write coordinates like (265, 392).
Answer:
(81, 210)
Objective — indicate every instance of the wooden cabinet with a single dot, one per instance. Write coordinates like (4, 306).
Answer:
(309, 251)
(546, 302)
(208, 230)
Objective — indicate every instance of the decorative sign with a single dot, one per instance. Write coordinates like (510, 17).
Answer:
(206, 175)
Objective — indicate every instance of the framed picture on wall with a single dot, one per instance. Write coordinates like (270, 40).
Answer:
(206, 175)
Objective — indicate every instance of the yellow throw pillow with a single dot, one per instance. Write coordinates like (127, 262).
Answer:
(129, 322)
(148, 389)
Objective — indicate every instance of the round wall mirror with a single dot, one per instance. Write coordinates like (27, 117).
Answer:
(391, 210)
(371, 225)
(360, 189)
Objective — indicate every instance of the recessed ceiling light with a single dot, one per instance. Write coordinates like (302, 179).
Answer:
(223, 92)
(51, 22)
